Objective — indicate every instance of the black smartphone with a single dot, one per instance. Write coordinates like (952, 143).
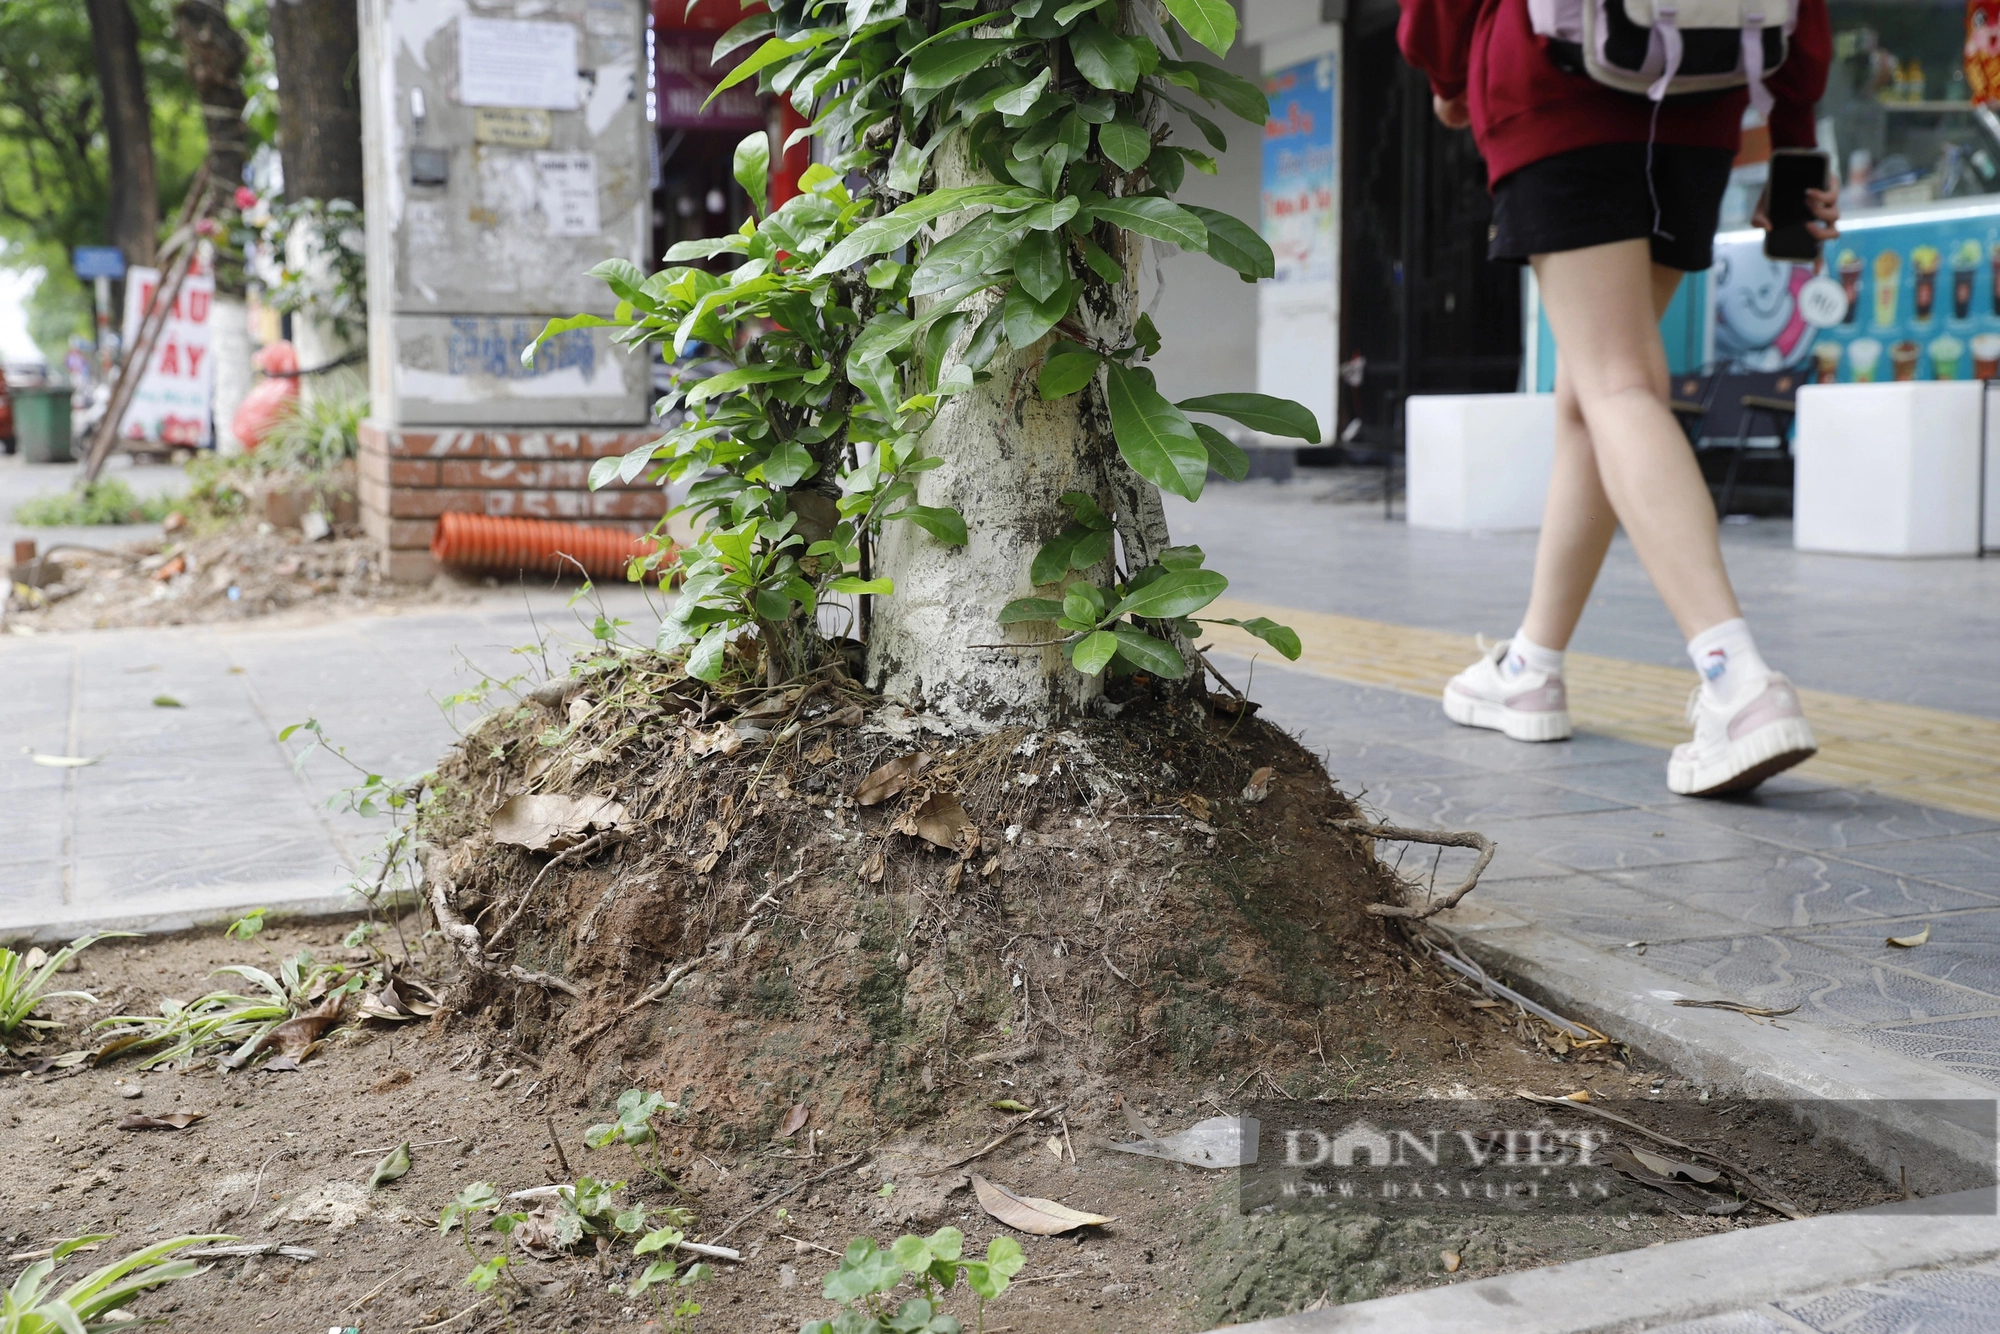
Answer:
(1793, 172)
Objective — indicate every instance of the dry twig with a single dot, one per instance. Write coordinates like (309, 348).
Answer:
(1442, 838)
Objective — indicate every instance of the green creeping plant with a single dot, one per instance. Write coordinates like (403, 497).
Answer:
(842, 324)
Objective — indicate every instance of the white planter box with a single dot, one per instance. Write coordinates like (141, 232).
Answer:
(1888, 469)
(1479, 462)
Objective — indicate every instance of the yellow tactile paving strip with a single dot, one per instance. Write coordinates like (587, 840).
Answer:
(1929, 756)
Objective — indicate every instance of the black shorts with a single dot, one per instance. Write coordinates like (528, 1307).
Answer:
(1597, 195)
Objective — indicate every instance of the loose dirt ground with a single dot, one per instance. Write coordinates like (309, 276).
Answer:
(285, 1157)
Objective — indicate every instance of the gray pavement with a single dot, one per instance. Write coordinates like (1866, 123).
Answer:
(1891, 1270)
(1908, 631)
(198, 811)
(20, 481)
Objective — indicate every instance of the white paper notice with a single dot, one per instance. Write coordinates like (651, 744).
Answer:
(568, 188)
(508, 63)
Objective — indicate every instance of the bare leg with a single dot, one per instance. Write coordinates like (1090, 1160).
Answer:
(1602, 307)
(1578, 521)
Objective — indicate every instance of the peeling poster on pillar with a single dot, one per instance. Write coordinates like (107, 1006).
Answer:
(566, 184)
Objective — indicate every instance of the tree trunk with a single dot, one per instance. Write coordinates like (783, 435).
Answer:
(215, 53)
(133, 223)
(1007, 456)
(316, 45)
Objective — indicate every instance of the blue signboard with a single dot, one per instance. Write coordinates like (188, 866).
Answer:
(1301, 212)
(99, 261)
(1922, 301)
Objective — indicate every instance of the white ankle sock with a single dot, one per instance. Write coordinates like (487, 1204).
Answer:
(1728, 660)
(1525, 655)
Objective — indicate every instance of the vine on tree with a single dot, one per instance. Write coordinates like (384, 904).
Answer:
(847, 322)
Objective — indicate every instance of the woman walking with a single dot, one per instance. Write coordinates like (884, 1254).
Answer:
(1612, 196)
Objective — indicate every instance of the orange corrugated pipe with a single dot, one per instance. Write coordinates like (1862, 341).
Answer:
(502, 545)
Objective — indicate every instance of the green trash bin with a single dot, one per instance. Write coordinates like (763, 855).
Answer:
(41, 424)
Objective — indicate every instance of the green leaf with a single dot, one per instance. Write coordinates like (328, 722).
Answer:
(771, 53)
(1232, 92)
(1224, 454)
(1090, 654)
(1032, 609)
(1125, 142)
(705, 662)
(1154, 436)
(1028, 321)
(1148, 654)
(946, 525)
(561, 326)
(744, 33)
(946, 63)
(848, 583)
(879, 235)
(966, 254)
(1175, 593)
(1183, 558)
(1259, 412)
(1085, 511)
(1103, 58)
(1065, 370)
(1210, 22)
(392, 1166)
(1039, 264)
(1017, 102)
(1052, 560)
(1280, 637)
(788, 464)
(1080, 607)
(752, 168)
(863, 1271)
(1158, 218)
(740, 378)
(1235, 244)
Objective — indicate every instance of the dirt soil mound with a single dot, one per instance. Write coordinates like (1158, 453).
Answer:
(811, 896)
(246, 570)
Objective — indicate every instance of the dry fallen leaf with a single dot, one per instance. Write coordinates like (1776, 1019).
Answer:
(773, 706)
(1009, 1105)
(293, 1040)
(1054, 1146)
(942, 822)
(1451, 1262)
(1197, 806)
(722, 739)
(794, 1121)
(1025, 1213)
(548, 823)
(1259, 786)
(890, 779)
(66, 761)
(820, 755)
(1669, 1167)
(1581, 1095)
(850, 716)
(1911, 942)
(173, 1121)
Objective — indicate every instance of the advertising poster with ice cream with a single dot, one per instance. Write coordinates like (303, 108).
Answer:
(1919, 300)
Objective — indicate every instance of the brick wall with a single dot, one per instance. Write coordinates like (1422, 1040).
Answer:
(410, 475)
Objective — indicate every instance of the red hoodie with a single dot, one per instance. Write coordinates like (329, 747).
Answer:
(1525, 109)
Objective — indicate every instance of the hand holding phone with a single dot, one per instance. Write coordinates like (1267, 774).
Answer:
(1798, 208)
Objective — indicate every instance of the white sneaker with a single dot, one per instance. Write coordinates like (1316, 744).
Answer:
(1735, 749)
(1533, 706)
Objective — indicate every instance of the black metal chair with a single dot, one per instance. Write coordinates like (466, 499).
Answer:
(1743, 401)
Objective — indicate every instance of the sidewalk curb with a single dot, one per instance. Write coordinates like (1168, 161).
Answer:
(1845, 1087)
(1685, 1280)
(280, 905)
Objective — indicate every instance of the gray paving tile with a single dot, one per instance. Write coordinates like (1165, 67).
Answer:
(27, 889)
(1830, 988)
(193, 874)
(1963, 949)
(1490, 750)
(1642, 781)
(1617, 840)
(1604, 912)
(1831, 819)
(1468, 802)
(1357, 760)
(1970, 1045)
(1971, 862)
(1730, 1322)
(34, 822)
(1778, 888)
(1953, 1301)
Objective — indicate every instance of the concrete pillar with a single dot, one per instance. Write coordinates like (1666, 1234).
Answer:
(506, 153)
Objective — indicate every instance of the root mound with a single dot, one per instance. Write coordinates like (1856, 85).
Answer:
(1043, 909)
